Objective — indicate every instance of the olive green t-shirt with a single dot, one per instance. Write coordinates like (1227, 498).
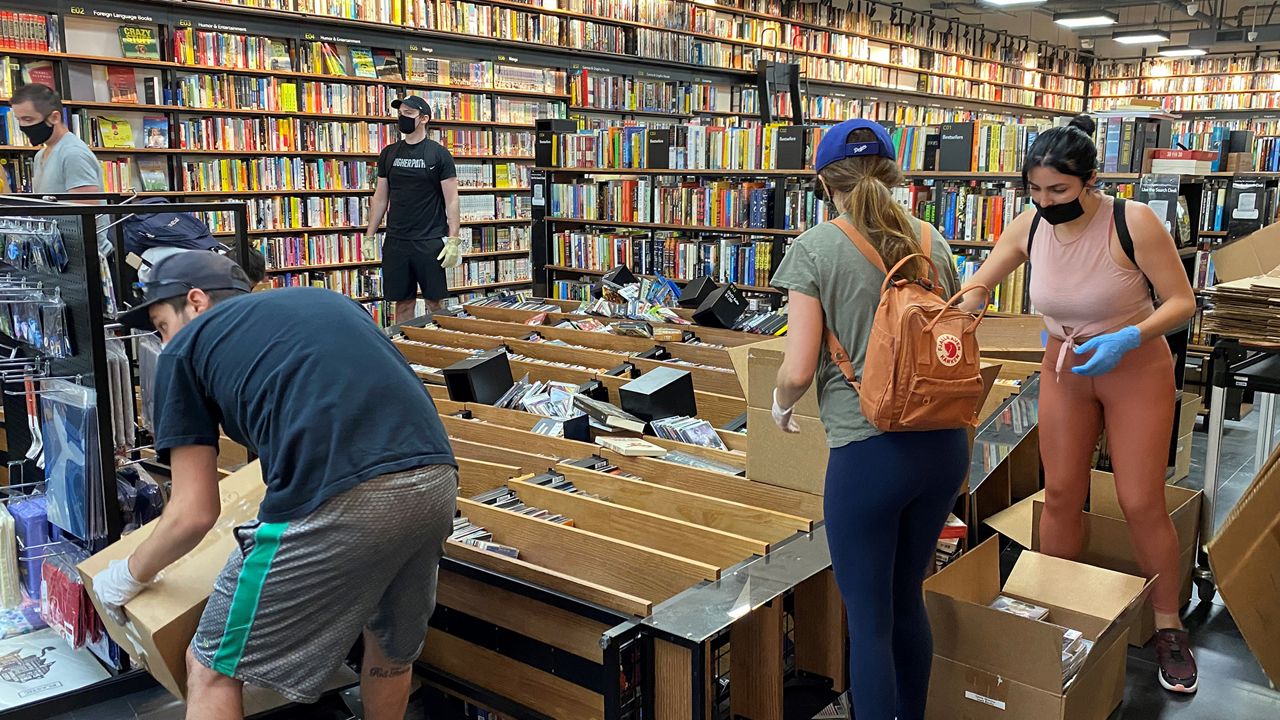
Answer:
(823, 263)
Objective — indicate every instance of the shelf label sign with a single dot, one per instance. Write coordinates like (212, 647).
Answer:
(133, 17)
(508, 58)
(412, 47)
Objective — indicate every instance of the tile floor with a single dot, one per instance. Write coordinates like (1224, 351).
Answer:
(1232, 684)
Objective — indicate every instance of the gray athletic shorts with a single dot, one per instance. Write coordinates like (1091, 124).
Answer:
(294, 599)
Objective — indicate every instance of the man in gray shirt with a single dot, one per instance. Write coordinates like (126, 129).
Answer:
(65, 164)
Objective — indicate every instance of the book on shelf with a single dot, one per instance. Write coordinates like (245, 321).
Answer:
(362, 62)
(113, 132)
(387, 64)
(631, 447)
(280, 59)
(155, 176)
(139, 43)
(155, 130)
(25, 31)
(39, 73)
(122, 84)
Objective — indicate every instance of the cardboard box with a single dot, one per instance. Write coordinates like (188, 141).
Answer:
(1188, 412)
(1182, 458)
(1245, 557)
(1257, 253)
(163, 619)
(1107, 541)
(1016, 337)
(991, 665)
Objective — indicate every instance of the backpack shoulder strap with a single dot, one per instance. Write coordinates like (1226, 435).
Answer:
(1122, 230)
(1031, 236)
(861, 243)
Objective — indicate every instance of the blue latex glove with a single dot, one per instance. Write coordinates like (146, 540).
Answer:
(1107, 351)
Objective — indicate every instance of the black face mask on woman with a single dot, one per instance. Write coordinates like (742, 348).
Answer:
(407, 124)
(1061, 212)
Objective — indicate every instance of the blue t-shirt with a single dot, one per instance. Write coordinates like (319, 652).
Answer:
(303, 378)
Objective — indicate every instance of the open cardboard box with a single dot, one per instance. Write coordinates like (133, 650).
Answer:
(991, 665)
(1245, 557)
(792, 460)
(1257, 253)
(1106, 536)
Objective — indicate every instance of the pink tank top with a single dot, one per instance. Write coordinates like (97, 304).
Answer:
(1079, 287)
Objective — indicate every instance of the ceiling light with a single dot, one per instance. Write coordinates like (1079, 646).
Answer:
(1086, 19)
(1141, 37)
(1011, 3)
(1181, 51)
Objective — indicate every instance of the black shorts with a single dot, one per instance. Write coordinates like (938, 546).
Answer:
(411, 265)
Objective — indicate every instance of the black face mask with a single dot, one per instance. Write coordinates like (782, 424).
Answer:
(38, 133)
(407, 124)
(1061, 212)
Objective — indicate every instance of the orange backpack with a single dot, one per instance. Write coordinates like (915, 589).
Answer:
(921, 367)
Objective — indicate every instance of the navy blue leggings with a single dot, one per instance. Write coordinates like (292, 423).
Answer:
(887, 498)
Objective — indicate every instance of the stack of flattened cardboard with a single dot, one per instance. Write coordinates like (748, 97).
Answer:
(1246, 302)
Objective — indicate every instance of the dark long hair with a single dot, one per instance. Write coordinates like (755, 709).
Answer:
(1070, 150)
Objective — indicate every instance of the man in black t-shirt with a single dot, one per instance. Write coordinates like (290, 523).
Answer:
(418, 193)
(361, 486)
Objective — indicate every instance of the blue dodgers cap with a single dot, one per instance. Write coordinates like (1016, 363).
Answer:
(175, 275)
(835, 144)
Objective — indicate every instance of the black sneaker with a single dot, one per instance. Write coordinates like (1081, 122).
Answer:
(1177, 665)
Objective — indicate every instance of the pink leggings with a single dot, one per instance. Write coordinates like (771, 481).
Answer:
(1136, 402)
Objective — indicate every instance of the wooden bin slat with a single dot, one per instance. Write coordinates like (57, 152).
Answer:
(727, 487)
(477, 476)
(613, 563)
(659, 532)
(727, 515)
(546, 623)
(529, 462)
(552, 579)
(436, 336)
(539, 691)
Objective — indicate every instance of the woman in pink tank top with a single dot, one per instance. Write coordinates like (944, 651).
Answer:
(1106, 362)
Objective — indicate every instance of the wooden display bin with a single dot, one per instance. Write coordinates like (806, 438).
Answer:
(561, 632)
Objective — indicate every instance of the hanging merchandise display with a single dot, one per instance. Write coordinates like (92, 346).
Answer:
(148, 355)
(31, 521)
(122, 423)
(36, 317)
(64, 604)
(69, 414)
(10, 583)
(34, 244)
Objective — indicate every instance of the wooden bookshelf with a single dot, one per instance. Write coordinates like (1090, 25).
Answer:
(657, 171)
(378, 262)
(666, 226)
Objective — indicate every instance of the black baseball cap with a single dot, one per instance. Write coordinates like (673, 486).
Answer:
(175, 275)
(414, 102)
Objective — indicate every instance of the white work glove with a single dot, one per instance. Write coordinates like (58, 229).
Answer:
(783, 416)
(369, 246)
(451, 255)
(115, 587)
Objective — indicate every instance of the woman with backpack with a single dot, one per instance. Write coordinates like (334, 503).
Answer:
(1095, 262)
(887, 494)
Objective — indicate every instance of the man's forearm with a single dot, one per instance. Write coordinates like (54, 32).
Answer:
(377, 211)
(172, 539)
(455, 225)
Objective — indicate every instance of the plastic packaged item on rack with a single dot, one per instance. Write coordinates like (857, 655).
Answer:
(149, 348)
(64, 604)
(10, 580)
(73, 466)
(55, 331)
(34, 244)
(110, 302)
(151, 498)
(127, 499)
(122, 422)
(21, 619)
(31, 522)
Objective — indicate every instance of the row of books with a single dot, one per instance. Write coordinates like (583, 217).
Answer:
(671, 254)
(282, 135)
(357, 283)
(958, 51)
(481, 206)
(963, 211)
(220, 91)
(496, 239)
(316, 249)
(1010, 296)
(1156, 67)
(31, 32)
(602, 91)
(686, 146)
(289, 174)
(1208, 103)
(713, 204)
(513, 175)
(1122, 142)
(976, 146)
(484, 142)
(476, 20)
(486, 272)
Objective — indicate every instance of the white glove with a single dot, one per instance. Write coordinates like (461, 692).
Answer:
(451, 255)
(783, 416)
(115, 587)
(369, 246)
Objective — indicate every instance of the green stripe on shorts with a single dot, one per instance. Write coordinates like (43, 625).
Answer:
(244, 603)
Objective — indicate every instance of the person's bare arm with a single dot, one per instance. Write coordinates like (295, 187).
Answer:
(377, 206)
(449, 188)
(1157, 257)
(191, 512)
(804, 342)
(1009, 253)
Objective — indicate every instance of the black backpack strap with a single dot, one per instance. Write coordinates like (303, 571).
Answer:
(1126, 239)
(1031, 236)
